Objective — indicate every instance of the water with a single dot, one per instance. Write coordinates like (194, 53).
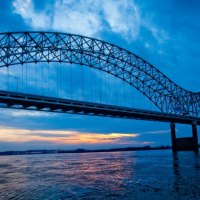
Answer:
(116, 175)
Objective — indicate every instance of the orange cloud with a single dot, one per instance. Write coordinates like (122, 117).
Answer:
(62, 137)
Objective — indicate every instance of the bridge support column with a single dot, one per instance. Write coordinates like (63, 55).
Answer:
(186, 143)
(195, 136)
(173, 136)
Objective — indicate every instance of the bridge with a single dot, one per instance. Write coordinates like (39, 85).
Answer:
(22, 59)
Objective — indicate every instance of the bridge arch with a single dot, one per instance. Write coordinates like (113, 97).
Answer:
(33, 47)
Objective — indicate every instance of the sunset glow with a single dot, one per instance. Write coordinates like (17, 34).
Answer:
(62, 137)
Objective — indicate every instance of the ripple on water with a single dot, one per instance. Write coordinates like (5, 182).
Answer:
(117, 175)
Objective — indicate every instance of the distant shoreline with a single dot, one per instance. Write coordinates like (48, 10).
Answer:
(32, 152)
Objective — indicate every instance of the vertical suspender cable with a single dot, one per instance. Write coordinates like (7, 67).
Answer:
(48, 82)
(82, 78)
(124, 93)
(42, 77)
(71, 81)
(115, 90)
(93, 85)
(17, 83)
(57, 79)
(8, 78)
(108, 88)
(105, 92)
(26, 79)
(35, 78)
(100, 89)
(22, 78)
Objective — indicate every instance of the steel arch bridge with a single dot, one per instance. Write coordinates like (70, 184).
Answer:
(33, 47)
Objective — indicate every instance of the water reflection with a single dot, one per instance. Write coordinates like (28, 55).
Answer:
(177, 177)
(118, 175)
(186, 174)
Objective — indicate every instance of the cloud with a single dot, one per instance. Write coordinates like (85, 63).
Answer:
(26, 9)
(123, 17)
(81, 17)
(157, 132)
(8, 134)
(90, 18)
(26, 113)
(159, 34)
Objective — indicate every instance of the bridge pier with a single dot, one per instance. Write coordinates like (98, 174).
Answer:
(186, 143)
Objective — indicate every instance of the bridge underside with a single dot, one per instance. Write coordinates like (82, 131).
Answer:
(51, 104)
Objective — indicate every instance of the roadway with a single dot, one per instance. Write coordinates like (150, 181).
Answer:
(17, 100)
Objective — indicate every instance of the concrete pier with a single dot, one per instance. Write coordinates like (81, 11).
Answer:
(185, 143)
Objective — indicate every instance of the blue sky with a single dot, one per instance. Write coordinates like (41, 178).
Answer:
(163, 33)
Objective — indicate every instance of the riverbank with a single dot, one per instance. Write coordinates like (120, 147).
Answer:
(44, 151)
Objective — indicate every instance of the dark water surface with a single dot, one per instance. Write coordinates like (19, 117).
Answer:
(113, 175)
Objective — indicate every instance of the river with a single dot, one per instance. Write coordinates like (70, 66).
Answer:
(111, 175)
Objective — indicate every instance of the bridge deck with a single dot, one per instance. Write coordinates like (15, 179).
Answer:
(50, 104)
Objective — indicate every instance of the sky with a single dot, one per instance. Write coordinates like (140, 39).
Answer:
(165, 33)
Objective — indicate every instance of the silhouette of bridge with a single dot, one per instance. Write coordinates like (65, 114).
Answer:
(173, 103)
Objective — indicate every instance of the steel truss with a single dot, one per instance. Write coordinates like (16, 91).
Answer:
(33, 47)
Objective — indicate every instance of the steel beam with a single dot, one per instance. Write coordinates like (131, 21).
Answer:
(17, 48)
(50, 104)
